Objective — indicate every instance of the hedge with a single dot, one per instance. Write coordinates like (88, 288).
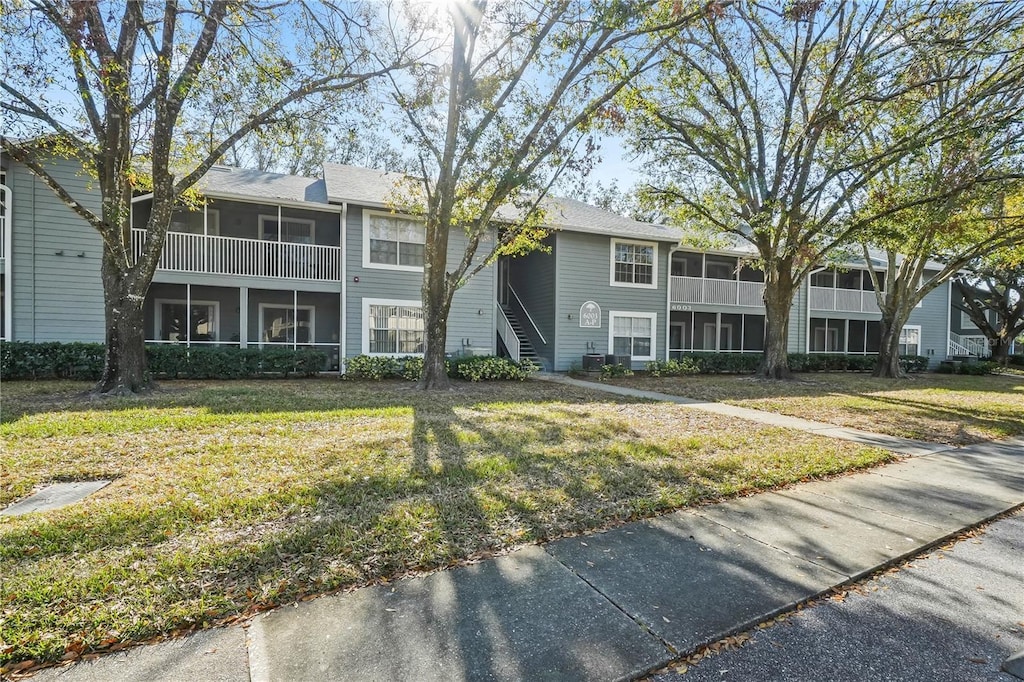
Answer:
(24, 360)
(470, 368)
(747, 363)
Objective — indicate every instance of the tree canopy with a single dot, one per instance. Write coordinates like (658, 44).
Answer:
(771, 125)
(127, 90)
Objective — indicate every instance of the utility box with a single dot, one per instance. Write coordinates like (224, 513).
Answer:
(624, 360)
(593, 361)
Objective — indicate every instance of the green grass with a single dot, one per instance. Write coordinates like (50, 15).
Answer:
(229, 497)
(942, 408)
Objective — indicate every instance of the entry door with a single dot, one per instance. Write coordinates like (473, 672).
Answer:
(503, 265)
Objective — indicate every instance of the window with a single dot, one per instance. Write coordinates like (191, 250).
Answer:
(286, 323)
(634, 264)
(392, 327)
(719, 267)
(910, 340)
(825, 279)
(173, 324)
(292, 230)
(632, 334)
(393, 242)
(192, 222)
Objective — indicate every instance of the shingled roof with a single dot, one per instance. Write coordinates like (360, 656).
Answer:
(242, 182)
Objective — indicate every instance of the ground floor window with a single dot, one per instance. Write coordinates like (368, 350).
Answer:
(632, 334)
(287, 324)
(910, 340)
(715, 332)
(832, 335)
(175, 324)
(392, 327)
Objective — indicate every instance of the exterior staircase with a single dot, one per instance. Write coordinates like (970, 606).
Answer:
(524, 348)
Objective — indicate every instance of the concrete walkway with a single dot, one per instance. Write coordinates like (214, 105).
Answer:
(615, 604)
(905, 446)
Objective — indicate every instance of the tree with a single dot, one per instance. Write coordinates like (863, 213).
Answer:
(142, 78)
(944, 205)
(769, 126)
(997, 284)
(507, 116)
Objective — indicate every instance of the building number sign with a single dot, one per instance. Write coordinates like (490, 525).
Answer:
(590, 315)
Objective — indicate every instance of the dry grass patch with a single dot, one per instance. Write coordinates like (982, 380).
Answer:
(934, 407)
(233, 496)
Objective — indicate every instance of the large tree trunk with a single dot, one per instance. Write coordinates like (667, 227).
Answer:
(1001, 348)
(124, 371)
(888, 364)
(778, 301)
(437, 301)
(435, 374)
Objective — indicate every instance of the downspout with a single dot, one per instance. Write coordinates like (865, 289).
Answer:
(342, 323)
(668, 302)
(8, 253)
(949, 313)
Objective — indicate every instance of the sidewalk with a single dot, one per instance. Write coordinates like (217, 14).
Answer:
(614, 604)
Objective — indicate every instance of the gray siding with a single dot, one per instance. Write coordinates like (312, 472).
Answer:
(472, 313)
(57, 293)
(583, 274)
(932, 317)
(798, 320)
(533, 278)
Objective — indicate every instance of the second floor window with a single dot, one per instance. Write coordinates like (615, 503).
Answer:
(634, 263)
(396, 241)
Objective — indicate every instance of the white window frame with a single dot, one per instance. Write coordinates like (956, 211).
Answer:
(367, 302)
(288, 306)
(902, 339)
(367, 213)
(210, 227)
(966, 322)
(653, 317)
(632, 285)
(263, 218)
(158, 316)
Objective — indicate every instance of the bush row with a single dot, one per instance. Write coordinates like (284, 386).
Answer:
(470, 368)
(747, 363)
(24, 360)
(976, 368)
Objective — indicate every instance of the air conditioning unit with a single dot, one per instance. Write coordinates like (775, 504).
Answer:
(593, 361)
(624, 360)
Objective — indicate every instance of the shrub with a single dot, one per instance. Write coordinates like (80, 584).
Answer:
(612, 371)
(373, 367)
(491, 368)
(978, 368)
(673, 368)
(914, 363)
(23, 360)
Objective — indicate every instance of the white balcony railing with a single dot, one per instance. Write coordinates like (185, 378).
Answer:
(843, 300)
(718, 291)
(216, 255)
(969, 345)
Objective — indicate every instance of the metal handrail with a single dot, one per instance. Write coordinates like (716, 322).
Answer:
(528, 316)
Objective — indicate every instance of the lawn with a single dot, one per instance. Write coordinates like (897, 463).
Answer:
(230, 497)
(943, 408)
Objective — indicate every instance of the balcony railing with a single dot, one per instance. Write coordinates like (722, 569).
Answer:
(718, 291)
(216, 255)
(843, 300)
